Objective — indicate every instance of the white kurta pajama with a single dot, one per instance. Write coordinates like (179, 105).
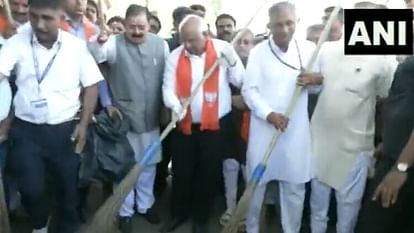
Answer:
(268, 87)
(342, 130)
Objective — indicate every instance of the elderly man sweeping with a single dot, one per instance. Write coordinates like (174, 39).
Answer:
(197, 142)
(271, 77)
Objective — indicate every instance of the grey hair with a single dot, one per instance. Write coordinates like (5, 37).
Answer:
(202, 24)
(244, 32)
(285, 5)
(366, 5)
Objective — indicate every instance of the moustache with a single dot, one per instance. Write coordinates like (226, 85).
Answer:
(39, 31)
(138, 36)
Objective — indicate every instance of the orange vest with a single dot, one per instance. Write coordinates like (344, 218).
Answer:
(209, 112)
(245, 124)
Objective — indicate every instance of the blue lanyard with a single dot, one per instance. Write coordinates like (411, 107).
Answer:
(42, 76)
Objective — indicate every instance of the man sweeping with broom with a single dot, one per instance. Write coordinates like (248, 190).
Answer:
(270, 80)
(197, 143)
(135, 80)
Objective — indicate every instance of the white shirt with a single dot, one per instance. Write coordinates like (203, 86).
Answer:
(5, 97)
(268, 87)
(347, 105)
(227, 75)
(23, 27)
(72, 69)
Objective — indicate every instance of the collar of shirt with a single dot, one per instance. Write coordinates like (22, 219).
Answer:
(277, 48)
(189, 55)
(57, 42)
(75, 25)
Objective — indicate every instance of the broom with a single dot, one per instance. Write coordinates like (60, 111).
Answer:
(104, 217)
(102, 19)
(240, 212)
(7, 10)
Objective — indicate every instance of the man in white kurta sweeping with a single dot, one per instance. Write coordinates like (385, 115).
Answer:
(342, 130)
(271, 77)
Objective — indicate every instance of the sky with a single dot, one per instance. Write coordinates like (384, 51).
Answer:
(309, 11)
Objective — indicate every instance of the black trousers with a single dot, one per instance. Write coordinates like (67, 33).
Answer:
(397, 219)
(197, 166)
(40, 153)
(162, 167)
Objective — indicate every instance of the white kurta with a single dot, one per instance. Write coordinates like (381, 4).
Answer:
(268, 87)
(6, 98)
(343, 123)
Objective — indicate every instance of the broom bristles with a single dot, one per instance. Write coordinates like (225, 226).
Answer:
(103, 220)
(241, 210)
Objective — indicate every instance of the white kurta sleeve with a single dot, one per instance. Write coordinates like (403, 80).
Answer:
(166, 50)
(168, 87)
(251, 86)
(235, 73)
(103, 52)
(9, 55)
(6, 98)
(89, 71)
(387, 67)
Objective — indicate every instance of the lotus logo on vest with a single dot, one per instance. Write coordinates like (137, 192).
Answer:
(378, 31)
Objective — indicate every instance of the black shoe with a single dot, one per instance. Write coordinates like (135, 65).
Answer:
(171, 225)
(199, 227)
(152, 216)
(125, 224)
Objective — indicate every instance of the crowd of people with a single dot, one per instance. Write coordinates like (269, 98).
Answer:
(348, 144)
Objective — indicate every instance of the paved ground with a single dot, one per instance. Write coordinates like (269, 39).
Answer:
(141, 226)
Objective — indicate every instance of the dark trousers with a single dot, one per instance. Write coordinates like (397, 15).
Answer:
(162, 167)
(396, 219)
(3, 154)
(40, 153)
(197, 165)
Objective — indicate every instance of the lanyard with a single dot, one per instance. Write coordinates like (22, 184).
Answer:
(285, 63)
(42, 76)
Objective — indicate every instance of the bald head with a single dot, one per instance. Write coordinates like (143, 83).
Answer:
(193, 33)
(193, 23)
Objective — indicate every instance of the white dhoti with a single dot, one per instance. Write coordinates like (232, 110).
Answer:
(231, 168)
(142, 195)
(269, 86)
(291, 205)
(348, 199)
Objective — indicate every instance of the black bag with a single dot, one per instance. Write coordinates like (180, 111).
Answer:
(107, 156)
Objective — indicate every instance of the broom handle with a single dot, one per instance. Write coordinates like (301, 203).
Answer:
(101, 16)
(298, 89)
(8, 11)
(188, 101)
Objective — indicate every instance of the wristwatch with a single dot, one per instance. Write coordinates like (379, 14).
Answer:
(402, 167)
